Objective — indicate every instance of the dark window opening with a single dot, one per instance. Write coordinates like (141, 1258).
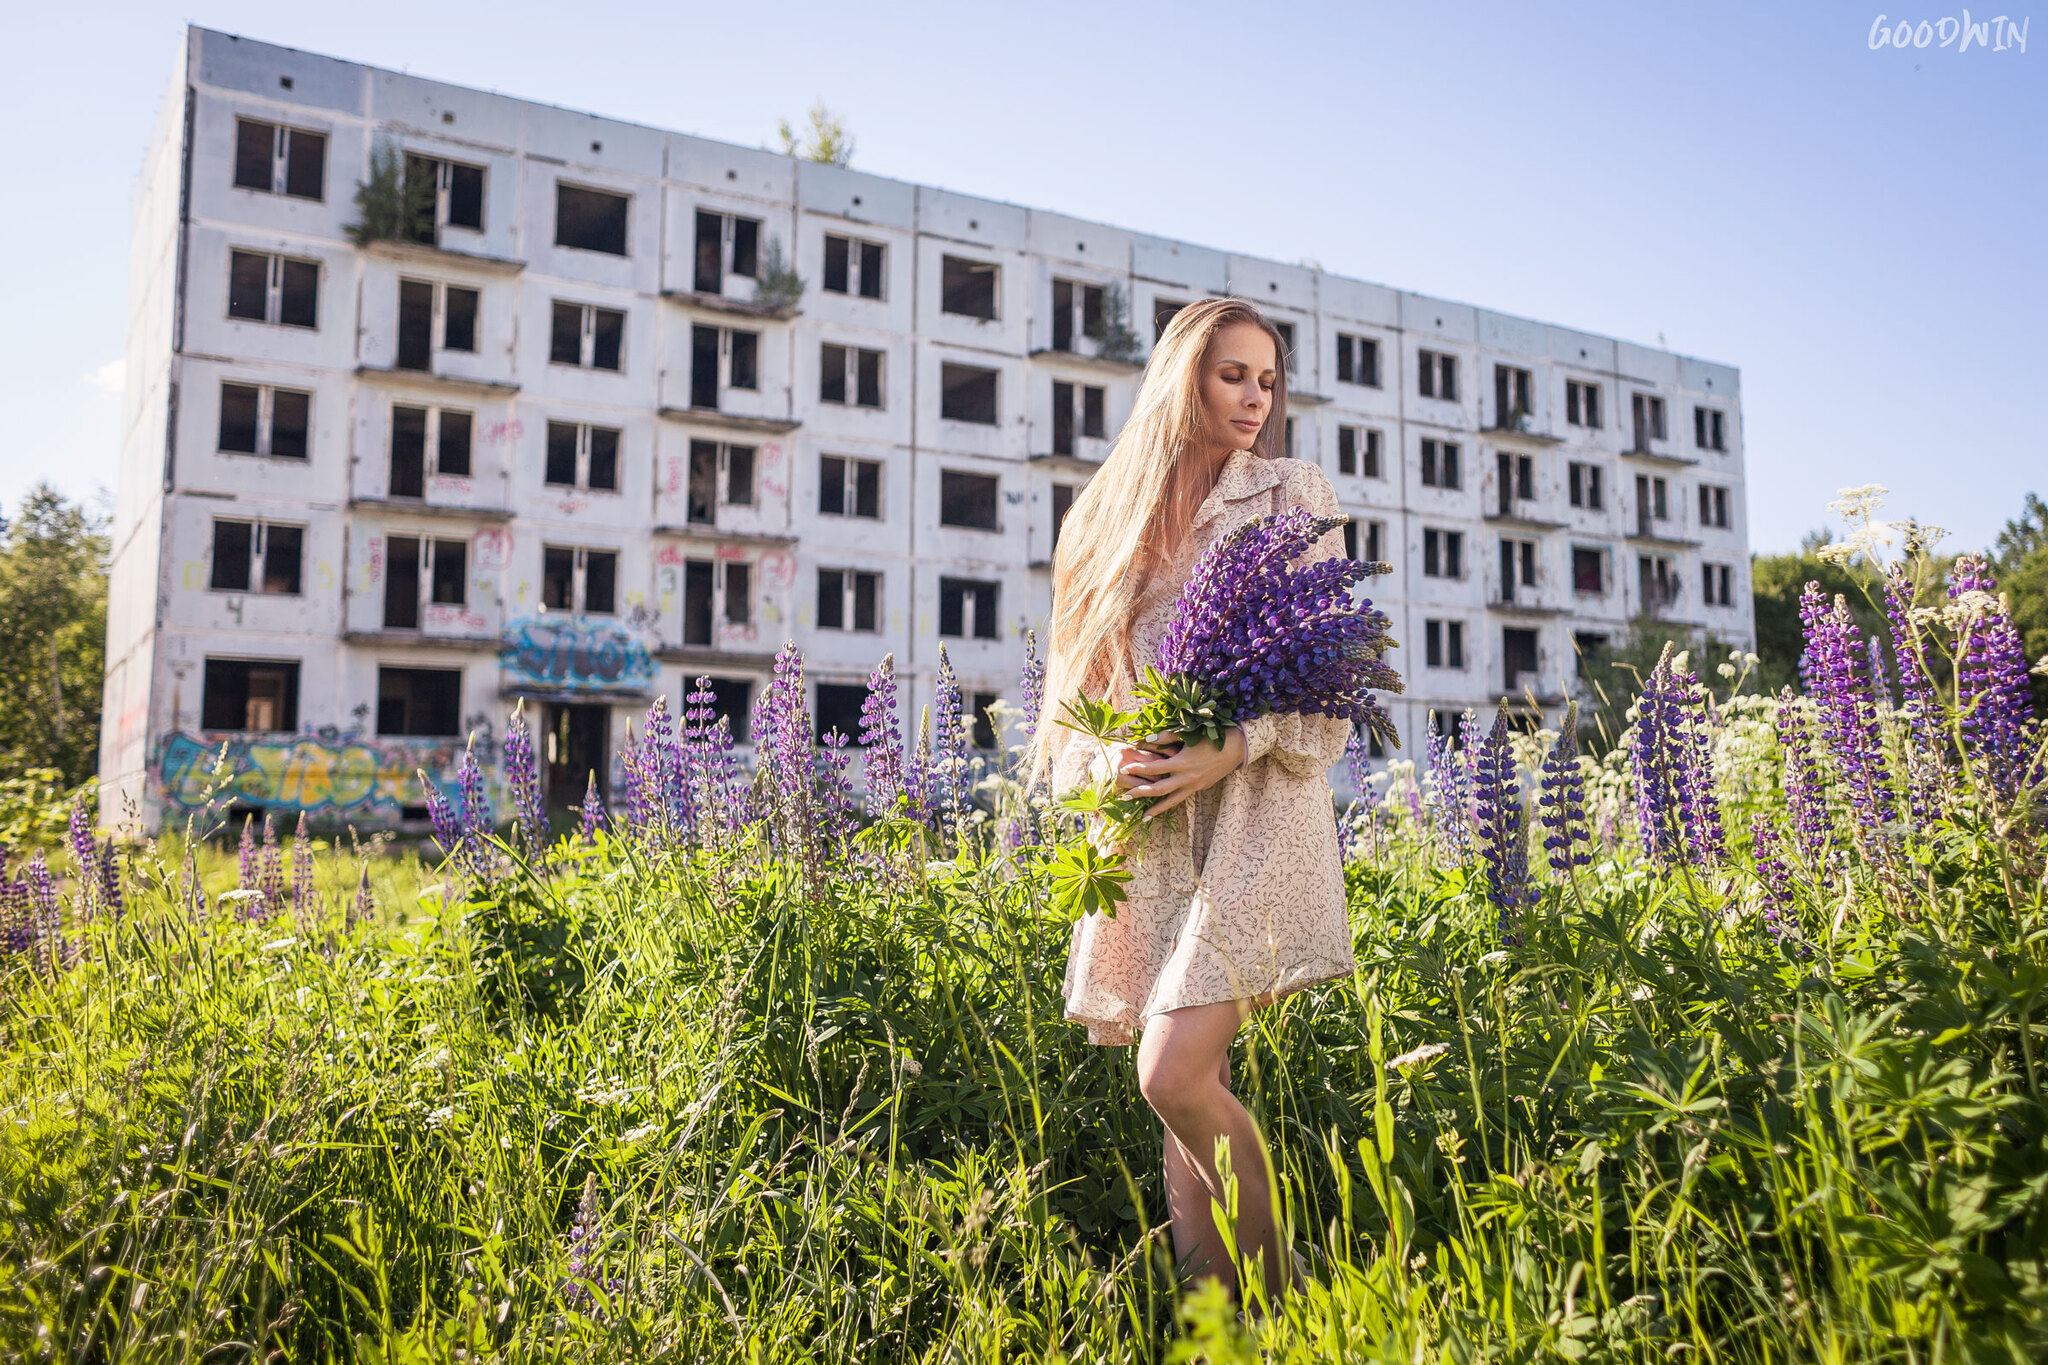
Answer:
(607, 338)
(1163, 312)
(255, 154)
(1518, 656)
(1062, 503)
(604, 459)
(968, 288)
(1062, 418)
(704, 367)
(702, 505)
(466, 196)
(1588, 646)
(739, 592)
(561, 459)
(968, 500)
(1589, 572)
(831, 373)
(565, 335)
(283, 550)
(732, 701)
(849, 488)
(600, 582)
(458, 327)
(239, 405)
(291, 416)
(408, 453)
(233, 548)
(557, 578)
(248, 694)
(1358, 360)
(299, 294)
(838, 708)
(590, 220)
(451, 573)
(419, 701)
(1511, 397)
(967, 394)
(868, 378)
(415, 325)
(249, 286)
(709, 274)
(838, 265)
(967, 608)
(698, 577)
(401, 583)
(452, 446)
(984, 735)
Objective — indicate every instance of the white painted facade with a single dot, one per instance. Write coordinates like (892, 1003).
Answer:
(170, 626)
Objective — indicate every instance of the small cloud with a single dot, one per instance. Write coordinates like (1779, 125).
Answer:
(109, 377)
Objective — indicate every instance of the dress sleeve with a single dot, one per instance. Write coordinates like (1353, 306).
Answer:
(1305, 745)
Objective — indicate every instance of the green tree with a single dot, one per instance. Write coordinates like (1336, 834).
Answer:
(824, 138)
(2021, 562)
(1611, 676)
(53, 636)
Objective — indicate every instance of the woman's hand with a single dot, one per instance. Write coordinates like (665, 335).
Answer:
(1171, 771)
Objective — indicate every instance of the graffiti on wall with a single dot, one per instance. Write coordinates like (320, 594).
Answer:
(574, 654)
(326, 775)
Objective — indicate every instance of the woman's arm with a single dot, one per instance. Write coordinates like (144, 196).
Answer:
(1307, 746)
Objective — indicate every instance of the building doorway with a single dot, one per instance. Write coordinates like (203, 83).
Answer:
(576, 744)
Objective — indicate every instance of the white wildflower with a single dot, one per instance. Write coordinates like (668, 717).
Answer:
(1417, 1056)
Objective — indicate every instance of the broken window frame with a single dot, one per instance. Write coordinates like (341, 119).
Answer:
(256, 567)
(444, 171)
(625, 211)
(450, 716)
(275, 264)
(1062, 503)
(1436, 375)
(438, 314)
(435, 436)
(1597, 556)
(587, 438)
(964, 375)
(1583, 482)
(859, 372)
(1646, 413)
(725, 466)
(735, 249)
(1443, 643)
(865, 267)
(1710, 428)
(285, 142)
(264, 437)
(1713, 506)
(217, 672)
(1440, 464)
(581, 559)
(1079, 309)
(1582, 404)
(1717, 583)
(1514, 390)
(1079, 412)
(1443, 553)
(586, 335)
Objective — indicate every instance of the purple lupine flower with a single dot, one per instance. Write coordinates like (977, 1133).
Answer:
(447, 827)
(46, 914)
(1670, 759)
(917, 773)
(270, 876)
(522, 774)
(474, 814)
(950, 792)
(1503, 839)
(661, 772)
(707, 796)
(363, 908)
(1266, 635)
(881, 737)
(304, 897)
(245, 874)
(1767, 852)
(1034, 684)
(83, 850)
(1561, 798)
(836, 787)
(1848, 711)
(110, 879)
(1919, 698)
(585, 1264)
(1358, 762)
(1805, 796)
(1991, 680)
(1449, 810)
(632, 792)
(592, 812)
(721, 775)
(17, 923)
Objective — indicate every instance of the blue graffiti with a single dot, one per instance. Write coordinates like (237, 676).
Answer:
(575, 654)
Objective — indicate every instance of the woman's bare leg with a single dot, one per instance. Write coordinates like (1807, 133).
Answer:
(1183, 1072)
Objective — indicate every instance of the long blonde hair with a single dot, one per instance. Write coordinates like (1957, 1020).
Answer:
(1136, 513)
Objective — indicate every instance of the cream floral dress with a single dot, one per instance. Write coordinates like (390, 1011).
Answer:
(1238, 892)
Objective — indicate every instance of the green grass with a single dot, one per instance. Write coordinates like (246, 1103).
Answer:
(844, 1122)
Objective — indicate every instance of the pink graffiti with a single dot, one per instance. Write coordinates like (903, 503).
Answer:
(731, 552)
(493, 547)
(497, 433)
(771, 454)
(376, 565)
(775, 486)
(778, 569)
(674, 483)
(442, 617)
(669, 557)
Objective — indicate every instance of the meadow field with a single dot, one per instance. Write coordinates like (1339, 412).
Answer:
(1719, 1046)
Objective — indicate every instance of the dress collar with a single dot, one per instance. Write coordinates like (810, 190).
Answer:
(1244, 474)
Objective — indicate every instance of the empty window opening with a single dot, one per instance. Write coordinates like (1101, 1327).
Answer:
(1436, 375)
(1062, 503)
(1518, 658)
(1078, 309)
(1517, 569)
(1358, 360)
(419, 701)
(1656, 581)
(402, 556)
(1713, 506)
(1443, 644)
(590, 220)
(852, 266)
(279, 160)
(1647, 410)
(722, 358)
(256, 419)
(839, 709)
(580, 455)
(967, 393)
(1443, 554)
(1718, 580)
(448, 433)
(1440, 464)
(968, 288)
(280, 290)
(1077, 409)
(849, 373)
(256, 556)
(968, 500)
(1709, 429)
(250, 694)
(1583, 485)
(1582, 404)
(577, 580)
(586, 336)
(443, 194)
(448, 572)
(727, 244)
(1512, 397)
(1589, 571)
(849, 599)
(967, 608)
(849, 488)
(1358, 451)
(1163, 312)
(1590, 647)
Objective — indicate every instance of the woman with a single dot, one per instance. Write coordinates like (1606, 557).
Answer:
(1238, 898)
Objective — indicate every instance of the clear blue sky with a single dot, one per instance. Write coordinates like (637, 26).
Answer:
(1861, 232)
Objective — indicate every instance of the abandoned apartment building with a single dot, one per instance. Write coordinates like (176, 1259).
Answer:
(590, 410)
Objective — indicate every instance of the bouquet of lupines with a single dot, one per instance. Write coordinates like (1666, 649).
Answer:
(1252, 634)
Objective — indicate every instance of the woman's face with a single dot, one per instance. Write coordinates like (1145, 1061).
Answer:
(1237, 385)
